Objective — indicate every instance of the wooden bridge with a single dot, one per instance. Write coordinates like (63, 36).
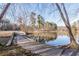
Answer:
(43, 49)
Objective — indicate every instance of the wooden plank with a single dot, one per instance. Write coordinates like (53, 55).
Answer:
(68, 52)
(41, 50)
(27, 43)
(77, 54)
(22, 40)
(32, 47)
(52, 52)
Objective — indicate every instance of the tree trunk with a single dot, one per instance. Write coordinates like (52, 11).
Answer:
(73, 43)
(4, 11)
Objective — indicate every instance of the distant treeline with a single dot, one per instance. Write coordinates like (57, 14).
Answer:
(6, 25)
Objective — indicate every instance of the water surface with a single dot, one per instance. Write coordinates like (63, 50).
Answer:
(61, 40)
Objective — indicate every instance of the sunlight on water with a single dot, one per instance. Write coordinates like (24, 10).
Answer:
(61, 40)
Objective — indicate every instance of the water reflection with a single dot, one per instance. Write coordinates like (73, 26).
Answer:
(60, 40)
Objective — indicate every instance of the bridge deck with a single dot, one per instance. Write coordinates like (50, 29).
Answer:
(45, 50)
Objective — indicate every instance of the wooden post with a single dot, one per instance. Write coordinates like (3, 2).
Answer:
(11, 40)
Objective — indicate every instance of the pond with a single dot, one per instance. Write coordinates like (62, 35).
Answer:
(61, 40)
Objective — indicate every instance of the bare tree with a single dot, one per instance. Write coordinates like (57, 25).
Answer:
(65, 18)
(4, 11)
(33, 19)
(22, 25)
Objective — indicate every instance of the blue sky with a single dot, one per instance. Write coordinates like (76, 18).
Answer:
(48, 11)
